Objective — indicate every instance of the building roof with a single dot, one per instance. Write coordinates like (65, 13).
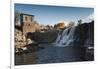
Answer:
(26, 14)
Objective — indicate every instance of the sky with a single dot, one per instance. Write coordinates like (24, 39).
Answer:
(46, 14)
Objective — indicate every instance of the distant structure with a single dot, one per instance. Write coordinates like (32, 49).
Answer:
(60, 25)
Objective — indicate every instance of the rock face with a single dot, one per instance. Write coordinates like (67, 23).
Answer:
(20, 39)
(84, 34)
(43, 37)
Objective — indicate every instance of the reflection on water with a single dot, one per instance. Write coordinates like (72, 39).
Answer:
(51, 55)
(23, 59)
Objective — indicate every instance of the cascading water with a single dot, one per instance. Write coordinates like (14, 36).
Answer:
(66, 37)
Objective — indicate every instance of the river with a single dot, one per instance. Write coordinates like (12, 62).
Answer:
(51, 54)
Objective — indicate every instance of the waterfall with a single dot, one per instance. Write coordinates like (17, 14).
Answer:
(65, 37)
(76, 35)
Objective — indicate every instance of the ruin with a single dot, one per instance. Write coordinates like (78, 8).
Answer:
(25, 23)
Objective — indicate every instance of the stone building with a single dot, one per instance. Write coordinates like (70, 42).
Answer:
(27, 23)
(24, 23)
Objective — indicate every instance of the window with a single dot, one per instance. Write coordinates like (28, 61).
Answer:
(25, 18)
(31, 19)
(28, 24)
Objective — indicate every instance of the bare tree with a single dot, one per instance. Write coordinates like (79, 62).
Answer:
(79, 22)
(17, 16)
(71, 24)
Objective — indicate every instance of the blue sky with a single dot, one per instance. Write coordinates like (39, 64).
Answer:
(45, 14)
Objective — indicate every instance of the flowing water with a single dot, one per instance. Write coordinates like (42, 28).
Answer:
(65, 38)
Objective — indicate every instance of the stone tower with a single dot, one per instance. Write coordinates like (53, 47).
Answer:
(27, 23)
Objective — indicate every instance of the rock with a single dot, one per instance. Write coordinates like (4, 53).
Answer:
(46, 37)
(84, 34)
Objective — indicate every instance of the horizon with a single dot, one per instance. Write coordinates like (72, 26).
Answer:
(48, 14)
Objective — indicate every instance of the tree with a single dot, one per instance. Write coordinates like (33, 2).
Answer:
(55, 26)
(79, 22)
(17, 16)
(71, 24)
